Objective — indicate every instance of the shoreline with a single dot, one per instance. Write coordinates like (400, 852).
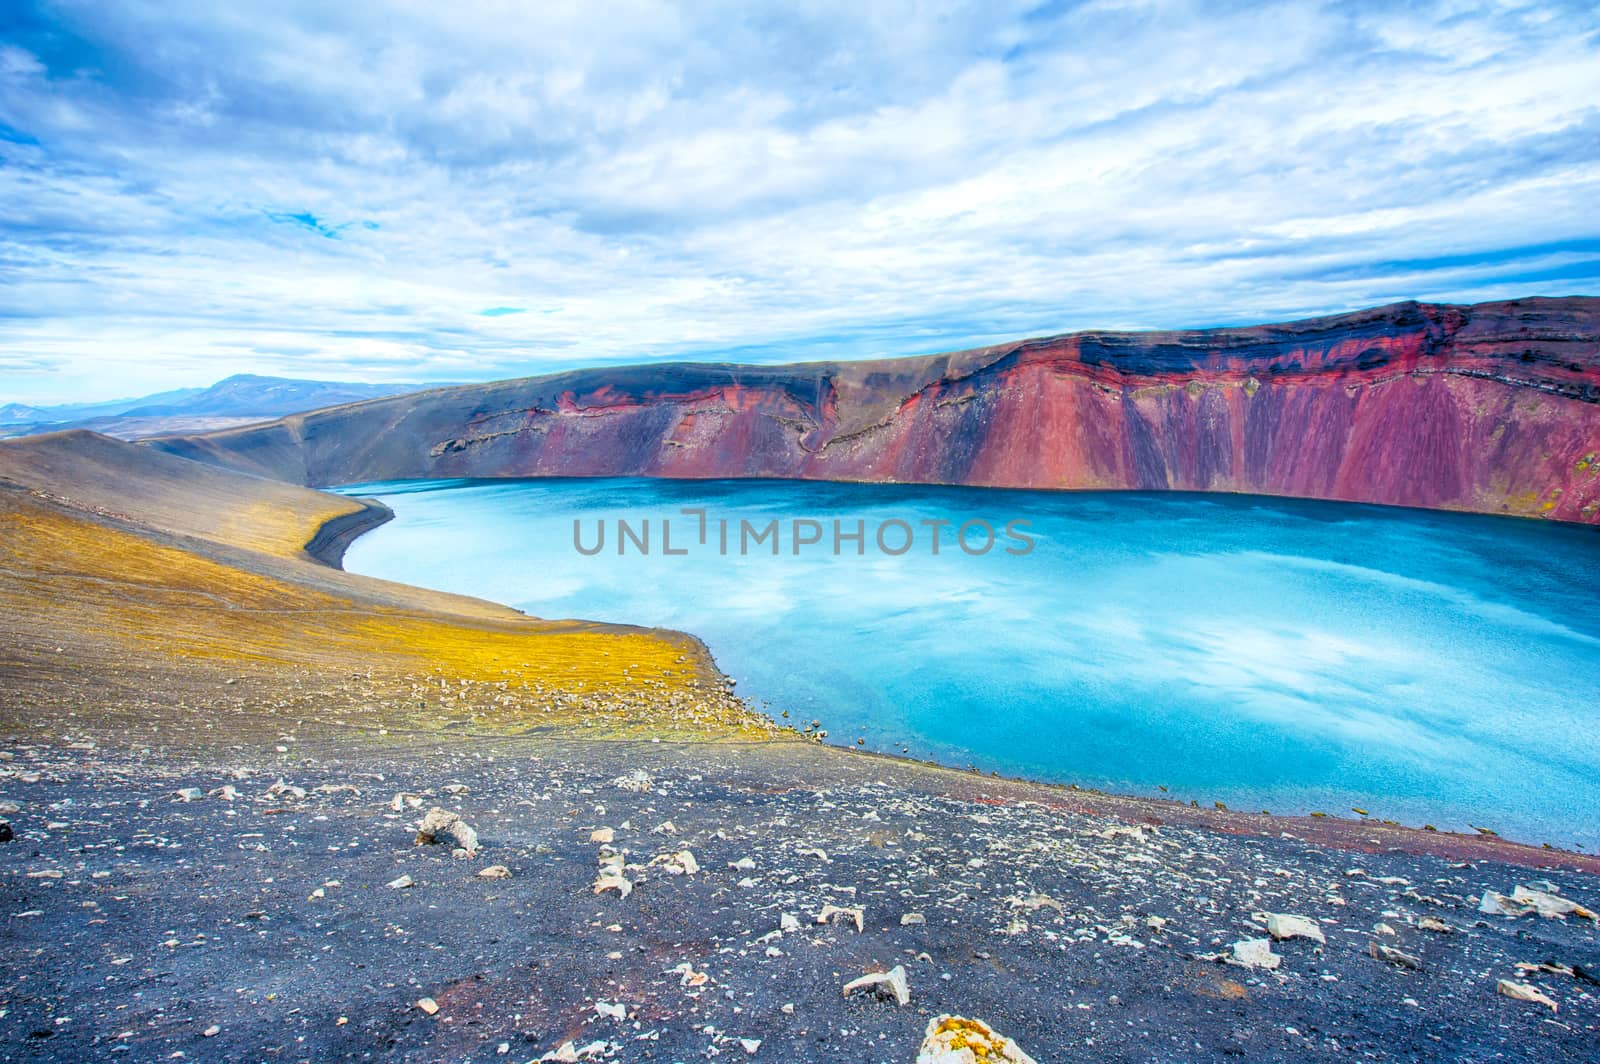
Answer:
(334, 536)
(1365, 835)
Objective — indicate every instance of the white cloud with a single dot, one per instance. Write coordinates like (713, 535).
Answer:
(848, 181)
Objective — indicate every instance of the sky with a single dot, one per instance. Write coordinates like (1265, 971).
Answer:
(426, 191)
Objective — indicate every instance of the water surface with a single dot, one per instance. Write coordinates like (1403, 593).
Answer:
(1269, 653)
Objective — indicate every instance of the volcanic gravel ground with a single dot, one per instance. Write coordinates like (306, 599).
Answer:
(144, 924)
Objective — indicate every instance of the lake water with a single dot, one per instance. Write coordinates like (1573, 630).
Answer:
(1273, 654)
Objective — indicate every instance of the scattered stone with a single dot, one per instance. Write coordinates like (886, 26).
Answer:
(1525, 900)
(687, 976)
(638, 781)
(1393, 956)
(1550, 905)
(572, 1053)
(892, 983)
(6, 834)
(1254, 953)
(1437, 926)
(402, 883)
(211, 1032)
(1525, 992)
(1132, 831)
(189, 794)
(285, 790)
(621, 884)
(441, 822)
(402, 801)
(830, 910)
(1035, 902)
(1284, 926)
(750, 1045)
(611, 1011)
(428, 1006)
(494, 871)
(602, 836)
(912, 919)
(959, 1040)
(681, 863)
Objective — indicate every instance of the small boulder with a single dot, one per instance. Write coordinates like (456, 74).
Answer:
(1393, 956)
(1524, 992)
(443, 822)
(830, 911)
(959, 1040)
(1255, 953)
(1283, 926)
(892, 984)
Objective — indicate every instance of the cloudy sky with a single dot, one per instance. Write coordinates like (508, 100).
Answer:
(458, 191)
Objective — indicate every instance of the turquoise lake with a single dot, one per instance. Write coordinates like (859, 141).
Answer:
(1268, 653)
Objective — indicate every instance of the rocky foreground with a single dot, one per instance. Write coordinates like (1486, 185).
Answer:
(635, 901)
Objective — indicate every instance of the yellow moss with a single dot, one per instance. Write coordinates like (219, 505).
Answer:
(144, 603)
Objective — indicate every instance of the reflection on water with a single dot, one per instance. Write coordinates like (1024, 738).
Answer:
(1269, 653)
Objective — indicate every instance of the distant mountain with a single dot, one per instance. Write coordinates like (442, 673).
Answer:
(23, 414)
(239, 399)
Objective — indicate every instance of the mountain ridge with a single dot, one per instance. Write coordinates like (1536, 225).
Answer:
(1490, 407)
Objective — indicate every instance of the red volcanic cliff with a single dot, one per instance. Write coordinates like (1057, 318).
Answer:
(1493, 407)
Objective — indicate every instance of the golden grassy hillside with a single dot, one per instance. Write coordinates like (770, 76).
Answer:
(139, 590)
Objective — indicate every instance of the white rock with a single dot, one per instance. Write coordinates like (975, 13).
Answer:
(603, 836)
(1525, 992)
(1549, 905)
(443, 822)
(1380, 952)
(402, 883)
(495, 871)
(1283, 925)
(959, 1040)
(188, 794)
(621, 884)
(892, 983)
(637, 781)
(428, 1005)
(1255, 953)
(611, 1011)
(681, 863)
(830, 910)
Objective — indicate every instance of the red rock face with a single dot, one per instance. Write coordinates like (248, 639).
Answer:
(1493, 408)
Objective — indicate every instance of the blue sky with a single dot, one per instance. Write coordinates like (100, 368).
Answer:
(458, 191)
